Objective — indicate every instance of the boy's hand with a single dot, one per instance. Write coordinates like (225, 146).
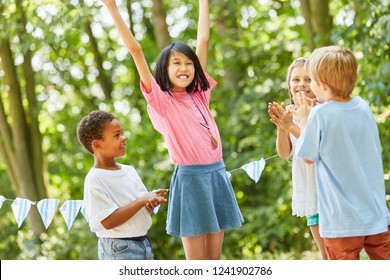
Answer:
(154, 202)
(161, 192)
(155, 198)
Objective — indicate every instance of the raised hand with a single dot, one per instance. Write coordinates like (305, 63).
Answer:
(303, 106)
(280, 115)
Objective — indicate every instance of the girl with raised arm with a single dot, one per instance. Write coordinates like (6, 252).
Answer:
(202, 203)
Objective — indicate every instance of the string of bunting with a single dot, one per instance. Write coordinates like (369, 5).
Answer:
(69, 210)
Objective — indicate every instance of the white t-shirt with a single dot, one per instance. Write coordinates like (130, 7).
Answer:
(107, 190)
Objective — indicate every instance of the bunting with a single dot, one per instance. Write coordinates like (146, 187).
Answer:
(21, 207)
(2, 199)
(47, 208)
(254, 169)
(69, 210)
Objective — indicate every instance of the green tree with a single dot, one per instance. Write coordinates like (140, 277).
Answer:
(59, 60)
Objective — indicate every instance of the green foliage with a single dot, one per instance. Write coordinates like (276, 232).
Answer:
(259, 44)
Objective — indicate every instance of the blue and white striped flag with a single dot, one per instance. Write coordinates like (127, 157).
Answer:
(2, 199)
(69, 211)
(254, 169)
(155, 210)
(47, 208)
(21, 207)
(84, 212)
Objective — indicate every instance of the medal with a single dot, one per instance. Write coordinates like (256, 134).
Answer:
(214, 140)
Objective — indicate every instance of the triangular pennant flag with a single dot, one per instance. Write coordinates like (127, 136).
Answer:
(47, 209)
(69, 211)
(254, 169)
(2, 199)
(155, 210)
(84, 212)
(21, 207)
(228, 174)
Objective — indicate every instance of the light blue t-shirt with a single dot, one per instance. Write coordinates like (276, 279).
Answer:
(342, 138)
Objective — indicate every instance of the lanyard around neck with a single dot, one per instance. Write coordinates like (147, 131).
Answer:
(205, 124)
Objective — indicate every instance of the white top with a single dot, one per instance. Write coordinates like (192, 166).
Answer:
(304, 197)
(107, 190)
(342, 138)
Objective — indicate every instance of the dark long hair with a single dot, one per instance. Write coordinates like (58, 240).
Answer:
(199, 83)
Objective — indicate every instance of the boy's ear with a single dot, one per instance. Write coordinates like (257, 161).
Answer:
(96, 145)
(324, 86)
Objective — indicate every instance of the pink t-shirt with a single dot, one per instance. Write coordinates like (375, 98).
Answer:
(179, 121)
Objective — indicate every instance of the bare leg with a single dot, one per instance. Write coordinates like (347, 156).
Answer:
(203, 247)
(214, 244)
(319, 241)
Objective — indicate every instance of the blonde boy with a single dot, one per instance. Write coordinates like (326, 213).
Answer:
(341, 136)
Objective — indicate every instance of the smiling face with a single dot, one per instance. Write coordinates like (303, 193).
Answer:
(181, 71)
(300, 81)
(113, 143)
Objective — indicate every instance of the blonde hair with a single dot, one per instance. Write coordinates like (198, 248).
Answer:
(299, 62)
(334, 66)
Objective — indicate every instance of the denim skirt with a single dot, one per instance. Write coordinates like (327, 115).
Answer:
(201, 200)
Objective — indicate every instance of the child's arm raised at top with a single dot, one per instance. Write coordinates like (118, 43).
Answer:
(131, 43)
(203, 36)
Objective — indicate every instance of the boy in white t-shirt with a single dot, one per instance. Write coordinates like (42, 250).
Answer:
(117, 203)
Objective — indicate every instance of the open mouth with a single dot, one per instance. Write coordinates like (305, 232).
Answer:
(307, 92)
(182, 77)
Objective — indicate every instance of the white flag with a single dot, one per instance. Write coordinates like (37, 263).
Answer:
(155, 210)
(47, 209)
(84, 212)
(254, 169)
(21, 207)
(69, 211)
(2, 199)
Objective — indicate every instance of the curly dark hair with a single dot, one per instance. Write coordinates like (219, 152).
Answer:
(91, 128)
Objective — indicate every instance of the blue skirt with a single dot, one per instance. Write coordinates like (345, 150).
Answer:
(201, 200)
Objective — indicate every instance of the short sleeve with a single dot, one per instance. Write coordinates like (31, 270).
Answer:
(101, 208)
(156, 98)
(308, 143)
(206, 95)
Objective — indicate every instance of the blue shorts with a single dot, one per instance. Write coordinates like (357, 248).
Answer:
(312, 220)
(124, 249)
(201, 200)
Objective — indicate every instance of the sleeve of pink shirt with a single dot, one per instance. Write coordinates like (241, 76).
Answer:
(206, 94)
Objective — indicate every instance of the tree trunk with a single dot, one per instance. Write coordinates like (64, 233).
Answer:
(20, 164)
(322, 20)
(32, 113)
(318, 22)
(230, 78)
(21, 139)
(305, 9)
(160, 25)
